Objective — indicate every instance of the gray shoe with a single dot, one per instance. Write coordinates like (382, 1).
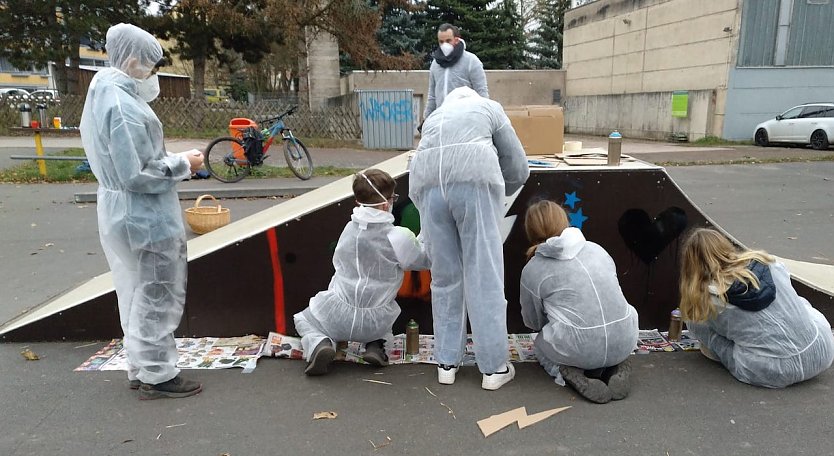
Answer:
(175, 388)
(320, 359)
(593, 389)
(375, 353)
(134, 384)
(618, 380)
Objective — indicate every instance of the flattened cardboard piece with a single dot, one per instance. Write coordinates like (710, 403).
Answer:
(530, 420)
(495, 423)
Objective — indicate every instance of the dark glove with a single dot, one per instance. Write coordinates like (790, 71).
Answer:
(420, 127)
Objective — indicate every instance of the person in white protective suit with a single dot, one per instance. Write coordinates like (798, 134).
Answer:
(469, 158)
(139, 214)
(741, 306)
(453, 66)
(571, 296)
(370, 259)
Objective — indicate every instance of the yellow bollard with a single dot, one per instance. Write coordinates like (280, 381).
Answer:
(39, 151)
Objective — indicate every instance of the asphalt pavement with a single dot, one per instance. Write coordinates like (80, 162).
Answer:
(681, 403)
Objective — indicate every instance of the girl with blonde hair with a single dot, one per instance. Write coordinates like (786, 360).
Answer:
(742, 307)
(570, 294)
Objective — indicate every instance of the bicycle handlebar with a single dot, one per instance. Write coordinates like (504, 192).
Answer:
(281, 116)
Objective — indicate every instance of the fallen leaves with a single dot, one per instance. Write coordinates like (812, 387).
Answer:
(325, 415)
(30, 355)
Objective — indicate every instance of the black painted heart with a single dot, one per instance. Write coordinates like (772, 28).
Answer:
(647, 236)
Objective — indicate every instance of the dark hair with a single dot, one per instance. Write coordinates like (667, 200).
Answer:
(365, 194)
(446, 26)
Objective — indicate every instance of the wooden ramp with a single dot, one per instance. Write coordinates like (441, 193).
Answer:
(252, 275)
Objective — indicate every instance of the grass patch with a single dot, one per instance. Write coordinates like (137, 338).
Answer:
(266, 171)
(715, 141)
(748, 161)
(63, 171)
(56, 170)
(319, 143)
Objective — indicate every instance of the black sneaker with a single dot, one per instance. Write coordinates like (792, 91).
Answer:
(174, 388)
(320, 359)
(618, 380)
(375, 353)
(593, 389)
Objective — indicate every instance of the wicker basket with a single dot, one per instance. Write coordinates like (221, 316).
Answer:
(203, 219)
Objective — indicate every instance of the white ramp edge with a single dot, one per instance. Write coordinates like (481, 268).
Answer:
(815, 275)
(215, 240)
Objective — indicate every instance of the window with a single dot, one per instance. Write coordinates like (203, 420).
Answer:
(810, 111)
(792, 113)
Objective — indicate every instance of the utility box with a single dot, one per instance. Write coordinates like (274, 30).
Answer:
(387, 118)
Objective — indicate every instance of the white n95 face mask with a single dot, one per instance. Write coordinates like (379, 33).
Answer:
(148, 89)
(446, 48)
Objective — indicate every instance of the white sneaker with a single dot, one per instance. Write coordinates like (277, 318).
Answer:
(494, 381)
(446, 376)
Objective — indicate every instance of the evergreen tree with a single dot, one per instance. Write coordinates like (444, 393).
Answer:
(509, 39)
(547, 39)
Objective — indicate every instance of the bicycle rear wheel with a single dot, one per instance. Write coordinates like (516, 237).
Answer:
(224, 160)
(298, 158)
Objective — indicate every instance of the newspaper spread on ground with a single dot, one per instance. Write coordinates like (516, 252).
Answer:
(194, 353)
(281, 346)
(652, 340)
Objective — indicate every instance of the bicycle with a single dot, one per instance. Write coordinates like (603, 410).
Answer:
(230, 159)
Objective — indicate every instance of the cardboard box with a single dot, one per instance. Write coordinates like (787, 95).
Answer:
(541, 128)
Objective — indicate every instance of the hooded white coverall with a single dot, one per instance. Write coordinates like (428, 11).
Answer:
(571, 295)
(139, 215)
(785, 343)
(468, 160)
(358, 305)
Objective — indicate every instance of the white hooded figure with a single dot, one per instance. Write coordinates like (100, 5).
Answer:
(139, 214)
(370, 259)
(468, 160)
(571, 295)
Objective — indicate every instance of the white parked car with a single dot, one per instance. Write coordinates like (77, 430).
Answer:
(810, 123)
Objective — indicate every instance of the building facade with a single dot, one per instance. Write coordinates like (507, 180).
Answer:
(736, 62)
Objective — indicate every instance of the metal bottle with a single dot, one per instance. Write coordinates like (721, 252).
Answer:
(615, 144)
(412, 338)
(675, 325)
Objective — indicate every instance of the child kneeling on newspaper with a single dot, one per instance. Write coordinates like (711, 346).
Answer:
(370, 259)
(570, 294)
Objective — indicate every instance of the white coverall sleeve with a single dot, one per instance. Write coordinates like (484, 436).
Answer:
(411, 254)
(135, 159)
(431, 102)
(477, 77)
(532, 305)
(511, 156)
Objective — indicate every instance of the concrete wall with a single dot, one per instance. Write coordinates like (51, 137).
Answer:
(633, 46)
(508, 87)
(638, 51)
(322, 67)
(640, 115)
(759, 94)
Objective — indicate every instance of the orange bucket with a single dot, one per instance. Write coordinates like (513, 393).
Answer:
(236, 128)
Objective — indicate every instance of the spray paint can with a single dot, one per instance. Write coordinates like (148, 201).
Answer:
(412, 338)
(615, 144)
(675, 325)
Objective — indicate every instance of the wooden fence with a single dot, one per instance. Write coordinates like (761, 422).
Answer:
(190, 115)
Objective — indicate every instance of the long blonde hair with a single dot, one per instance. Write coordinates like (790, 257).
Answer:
(709, 258)
(544, 219)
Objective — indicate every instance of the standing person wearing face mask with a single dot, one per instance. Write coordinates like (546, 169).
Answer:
(453, 67)
(139, 214)
(370, 259)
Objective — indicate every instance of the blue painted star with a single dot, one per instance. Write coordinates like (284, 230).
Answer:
(571, 199)
(577, 219)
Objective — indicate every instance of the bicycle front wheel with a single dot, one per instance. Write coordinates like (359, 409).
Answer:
(298, 158)
(225, 160)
